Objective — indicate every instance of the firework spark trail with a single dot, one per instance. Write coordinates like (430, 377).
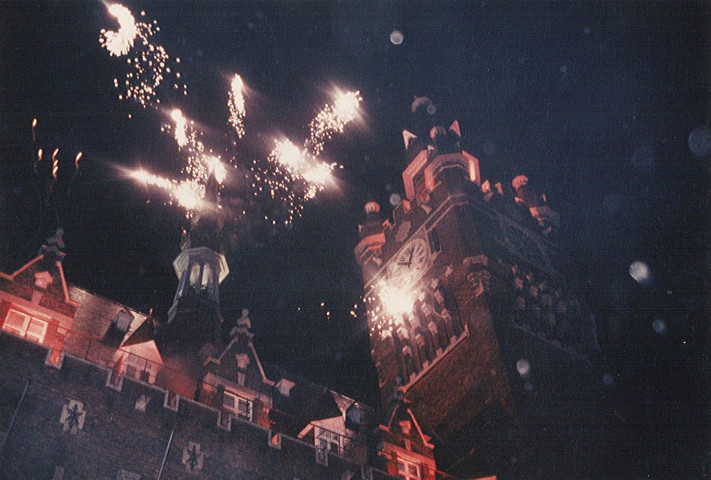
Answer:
(39, 159)
(34, 124)
(201, 163)
(149, 63)
(181, 125)
(236, 105)
(184, 192)
(200, 166)
(55, 163)
(333, 119)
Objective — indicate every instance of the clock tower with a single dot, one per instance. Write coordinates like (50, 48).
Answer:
(471, 316)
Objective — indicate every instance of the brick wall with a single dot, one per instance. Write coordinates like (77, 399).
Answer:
(116, 436)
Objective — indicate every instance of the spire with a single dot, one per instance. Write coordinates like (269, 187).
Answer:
(200, 267)
(373, 223)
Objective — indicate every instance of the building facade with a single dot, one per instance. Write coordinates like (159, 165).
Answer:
(474, 321)
(90, 389)
(485, 354)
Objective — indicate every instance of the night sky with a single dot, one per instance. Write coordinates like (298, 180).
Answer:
(594, 101)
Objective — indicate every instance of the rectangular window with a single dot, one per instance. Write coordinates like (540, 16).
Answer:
(241, 407)
(328, 440)
(140, 368)
(408, 470)
(25, 326)
(434, 241)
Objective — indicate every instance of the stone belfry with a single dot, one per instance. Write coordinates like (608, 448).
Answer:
(470, 312)
(195, 318)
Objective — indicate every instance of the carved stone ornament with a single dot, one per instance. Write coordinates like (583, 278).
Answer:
(192, 457)
(73, 416)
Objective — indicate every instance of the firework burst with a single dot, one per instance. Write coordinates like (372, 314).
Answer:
(289, 176)
(388, 304)
(149, 63)
(293, 174)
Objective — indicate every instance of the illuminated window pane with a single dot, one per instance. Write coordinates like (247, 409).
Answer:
(16, 322)
(138, 367)
(36, 330)
(206, 274)
(25, 326)
(195, 274)
(241, 407)
(328, 440)
(408, 470)
(244, 409)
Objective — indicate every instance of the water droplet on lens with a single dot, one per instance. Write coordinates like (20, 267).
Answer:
(659, 326)
(396, 37)
(641, 272)
(523, 367)
(700, 141)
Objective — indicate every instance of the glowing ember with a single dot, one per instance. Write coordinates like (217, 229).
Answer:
(55, 163)
(39, 159)
(236, 105)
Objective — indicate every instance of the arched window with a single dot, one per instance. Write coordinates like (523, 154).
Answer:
(206, 275)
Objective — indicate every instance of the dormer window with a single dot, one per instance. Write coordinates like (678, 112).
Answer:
(25, 325)
(408, 470)
(140, 368)
(123, 320)
(327, 440)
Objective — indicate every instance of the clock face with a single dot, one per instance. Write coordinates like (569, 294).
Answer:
(411, 262)
(522, 243)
